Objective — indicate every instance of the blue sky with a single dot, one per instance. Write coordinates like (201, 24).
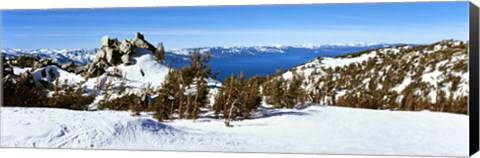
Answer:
(183, 27)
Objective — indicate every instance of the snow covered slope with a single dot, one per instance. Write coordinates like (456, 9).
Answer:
(435, 73)
(143, 71)
(315, 129)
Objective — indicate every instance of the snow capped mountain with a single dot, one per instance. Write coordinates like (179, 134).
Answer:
(85, 56)
(254, 50)
(78, 56)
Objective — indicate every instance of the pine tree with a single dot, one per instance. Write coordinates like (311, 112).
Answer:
(295, 92)
(201, 97)
(251, 96)
(160, 53)
(238, 97)
(167, 99)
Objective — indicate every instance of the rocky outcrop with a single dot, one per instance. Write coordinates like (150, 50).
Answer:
(68, 66)
(113, 52)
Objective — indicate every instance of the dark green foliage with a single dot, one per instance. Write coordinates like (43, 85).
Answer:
(172, 97)
(26, 61)
(237, 98)
(371, 83)
(125, 102)
(23, 93)
(160, 53)
(201, 97)
(70, 97)
(282, 93)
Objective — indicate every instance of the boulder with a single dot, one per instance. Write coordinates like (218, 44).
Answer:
(112, 56)
(80, 70)
(126, 47)
(104, 41)
(138, 35)
(43, 63)
(95, 72)
(47, 61)
(126, 59)
(109, 55)
(100, 54)
(68, 66)
(140, 42)
(38, 65)
(114, 43)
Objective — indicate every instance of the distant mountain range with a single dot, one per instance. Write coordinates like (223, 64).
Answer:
(78, 56)
(84, 56)
(222, 51)
(225, 59)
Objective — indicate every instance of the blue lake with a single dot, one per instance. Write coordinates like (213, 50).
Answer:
(264, 63)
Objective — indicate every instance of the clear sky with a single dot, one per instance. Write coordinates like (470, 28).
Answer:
(183, 27)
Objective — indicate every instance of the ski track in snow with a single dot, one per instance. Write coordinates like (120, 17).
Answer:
(315, 129)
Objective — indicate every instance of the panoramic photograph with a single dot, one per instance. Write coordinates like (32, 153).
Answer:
(357, 79)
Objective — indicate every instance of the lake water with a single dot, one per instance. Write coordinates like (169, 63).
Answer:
(264, 63)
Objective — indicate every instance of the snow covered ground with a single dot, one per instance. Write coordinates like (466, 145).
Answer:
(315, 129)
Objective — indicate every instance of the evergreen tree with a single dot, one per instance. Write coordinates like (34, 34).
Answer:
(160, 53)
(167, 99)
(23, 93)
(238, 97)
(201, 97)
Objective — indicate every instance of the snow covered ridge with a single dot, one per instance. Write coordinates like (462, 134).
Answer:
(253, 50)
(435, 75)
(315, 129)
(78, 56)
(84, 56)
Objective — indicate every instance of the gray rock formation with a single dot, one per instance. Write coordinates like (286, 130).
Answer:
(104, 42)
(113, 52)
(126, 59)
(68, 66)
(126, 47)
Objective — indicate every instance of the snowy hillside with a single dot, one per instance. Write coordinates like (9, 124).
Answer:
(143, 71)
(315, 129)
(143, 61)
(436, 74)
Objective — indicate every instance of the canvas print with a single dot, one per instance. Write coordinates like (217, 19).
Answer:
(359, 79)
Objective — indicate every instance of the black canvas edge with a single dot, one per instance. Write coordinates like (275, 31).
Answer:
(473, 101)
